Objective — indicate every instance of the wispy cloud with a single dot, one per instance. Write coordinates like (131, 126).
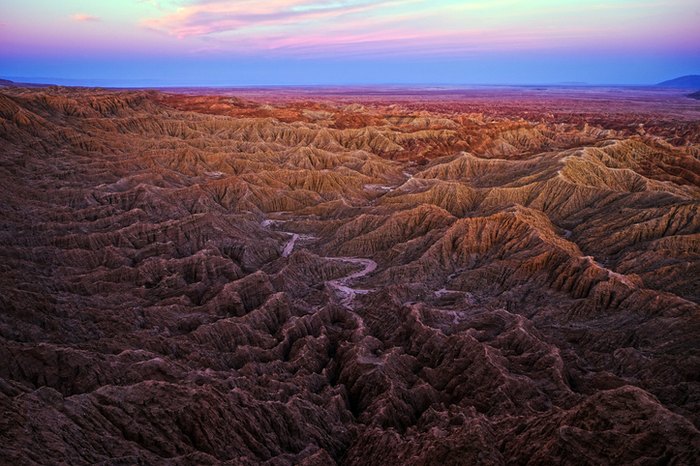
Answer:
(84, 18)
(307, 28)
(206, 17)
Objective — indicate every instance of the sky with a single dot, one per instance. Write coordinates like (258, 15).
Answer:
(309, 42)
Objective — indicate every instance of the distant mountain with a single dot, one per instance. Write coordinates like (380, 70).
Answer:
(9, 83)
(691, 81)
(695, 95)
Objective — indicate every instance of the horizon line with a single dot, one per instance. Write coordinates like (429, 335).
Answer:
(148, 84)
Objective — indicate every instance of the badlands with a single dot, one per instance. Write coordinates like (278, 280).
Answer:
(363, 276)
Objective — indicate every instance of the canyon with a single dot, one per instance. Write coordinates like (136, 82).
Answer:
(349, 276)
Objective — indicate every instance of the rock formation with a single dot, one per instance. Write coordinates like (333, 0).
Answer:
(347, 279)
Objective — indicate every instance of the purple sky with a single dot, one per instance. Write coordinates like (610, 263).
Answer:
(245, 42)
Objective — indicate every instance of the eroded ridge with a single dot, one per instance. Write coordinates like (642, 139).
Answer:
(339, 279)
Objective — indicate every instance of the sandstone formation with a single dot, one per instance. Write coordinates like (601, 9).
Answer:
(347, 279)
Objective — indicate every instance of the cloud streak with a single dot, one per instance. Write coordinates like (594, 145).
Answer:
(85, 18)
(303, 28)
(214, 16)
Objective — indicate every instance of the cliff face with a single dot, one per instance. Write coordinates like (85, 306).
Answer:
(207, 279)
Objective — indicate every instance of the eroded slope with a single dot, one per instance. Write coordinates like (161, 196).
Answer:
(202, 279)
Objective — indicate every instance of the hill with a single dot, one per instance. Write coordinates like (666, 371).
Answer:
(691, 81)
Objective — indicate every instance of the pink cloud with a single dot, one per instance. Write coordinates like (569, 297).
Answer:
(346, 28)
(407, 41)
(212, 16)
(84, 18)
